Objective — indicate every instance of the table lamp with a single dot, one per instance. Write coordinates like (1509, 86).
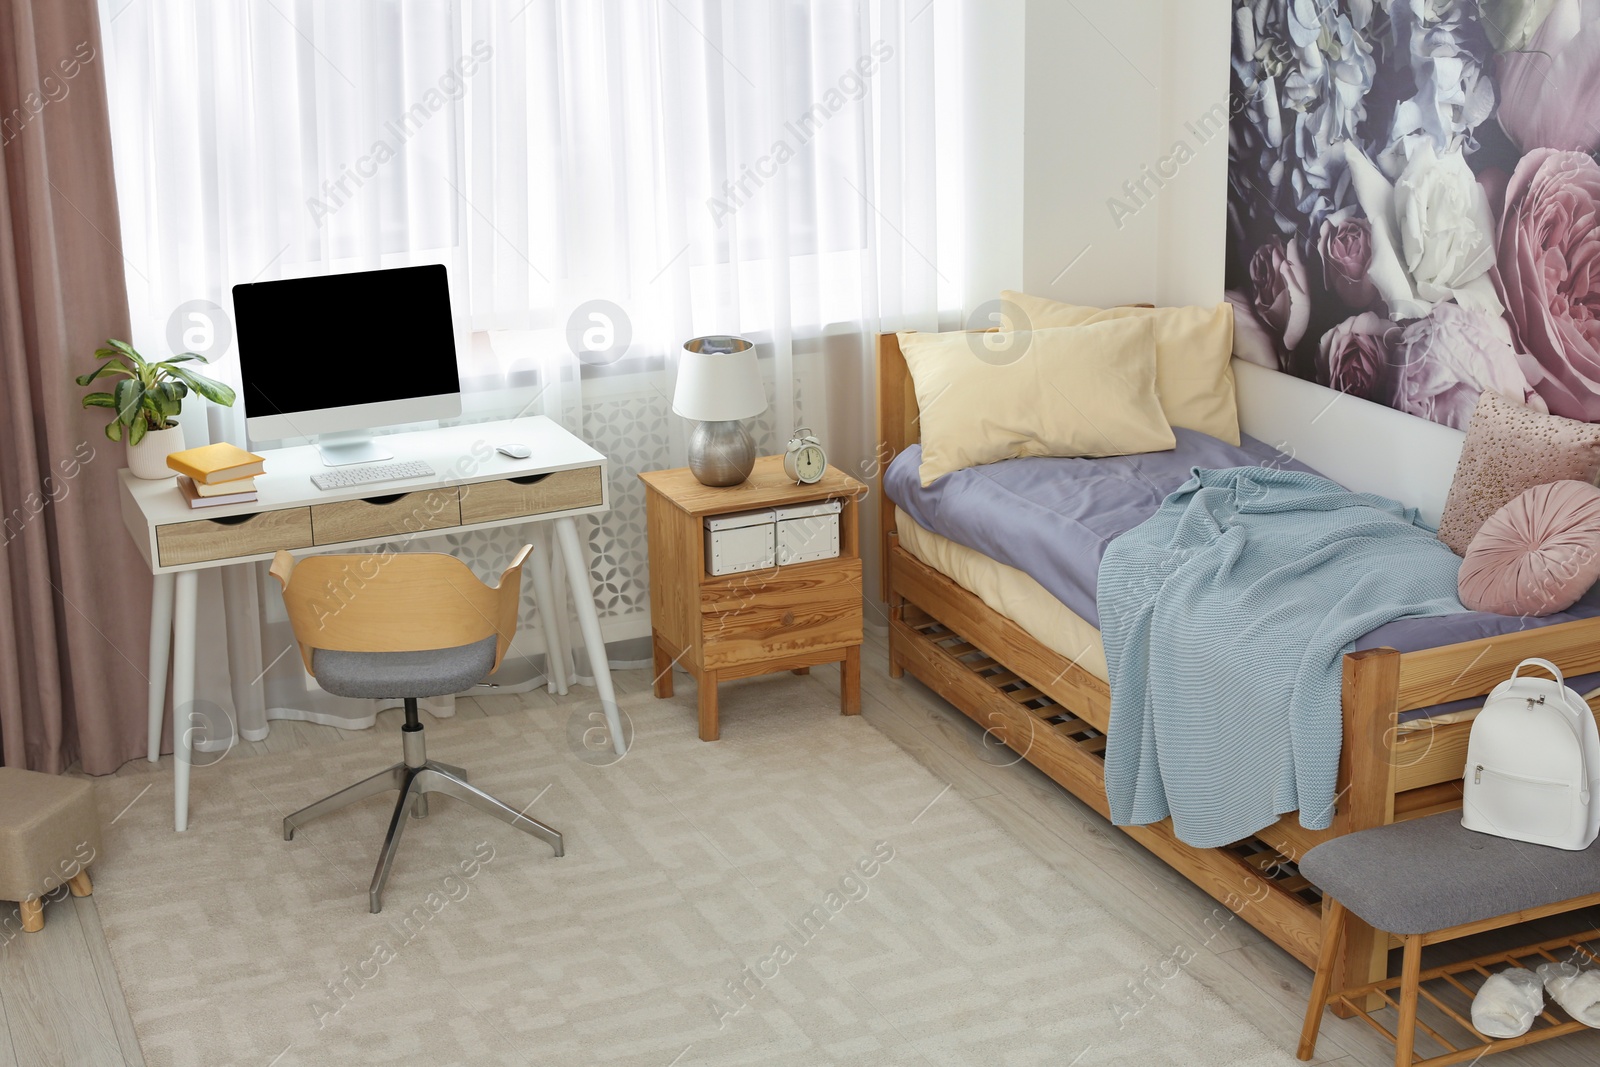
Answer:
(719, 383)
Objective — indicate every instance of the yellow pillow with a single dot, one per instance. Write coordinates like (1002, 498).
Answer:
(1068, 391)
(1194, 347)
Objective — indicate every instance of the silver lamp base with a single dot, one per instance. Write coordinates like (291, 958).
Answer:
(721, 453)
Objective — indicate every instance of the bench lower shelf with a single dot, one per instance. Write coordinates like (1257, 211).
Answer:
(1445, 997)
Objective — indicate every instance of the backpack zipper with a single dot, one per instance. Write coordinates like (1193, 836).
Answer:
(1477, 778)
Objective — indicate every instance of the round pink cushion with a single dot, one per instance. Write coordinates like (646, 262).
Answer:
(1538, 554)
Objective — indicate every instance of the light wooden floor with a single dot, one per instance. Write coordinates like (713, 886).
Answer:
(60, 1003)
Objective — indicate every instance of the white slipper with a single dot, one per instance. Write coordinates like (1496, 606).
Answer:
(1578, 992)
(1508, 1003)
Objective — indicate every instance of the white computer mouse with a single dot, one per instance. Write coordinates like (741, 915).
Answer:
(515, 451)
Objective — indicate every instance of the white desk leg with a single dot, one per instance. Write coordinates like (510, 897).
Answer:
(160, 649)
(183, 634)
(589, 622)
(555, 659)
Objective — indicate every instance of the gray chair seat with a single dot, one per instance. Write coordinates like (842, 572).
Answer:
(1423, 875)
(384, 675)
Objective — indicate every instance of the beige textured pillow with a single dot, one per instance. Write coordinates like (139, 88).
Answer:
(1511, 448)
(1068, 391)
(1194, 352)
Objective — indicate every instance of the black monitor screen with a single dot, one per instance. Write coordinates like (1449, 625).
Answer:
(343, 339)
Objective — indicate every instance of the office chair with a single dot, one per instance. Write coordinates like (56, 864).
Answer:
(410, 625)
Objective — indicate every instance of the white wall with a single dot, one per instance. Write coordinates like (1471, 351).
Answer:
(1115, 95)
(1193, 208)
(993, 37)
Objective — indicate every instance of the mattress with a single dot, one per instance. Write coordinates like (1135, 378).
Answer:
(1010, 592)
(1018, 597)
(1011, 531)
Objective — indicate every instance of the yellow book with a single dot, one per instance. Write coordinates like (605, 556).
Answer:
(220, 462)
(228, 488)
(191, 494)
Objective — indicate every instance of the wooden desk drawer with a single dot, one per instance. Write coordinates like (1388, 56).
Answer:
(385, 516)
(248, 535)
(558, 491)
(765, 614)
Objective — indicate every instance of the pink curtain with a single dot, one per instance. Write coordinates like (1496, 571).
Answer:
(74, 594)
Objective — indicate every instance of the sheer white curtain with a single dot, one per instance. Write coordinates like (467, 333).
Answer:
(604, 178)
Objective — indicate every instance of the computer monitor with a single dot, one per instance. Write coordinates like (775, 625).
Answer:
(336, 356)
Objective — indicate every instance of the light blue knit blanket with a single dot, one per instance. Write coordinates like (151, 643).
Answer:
(1225, 617)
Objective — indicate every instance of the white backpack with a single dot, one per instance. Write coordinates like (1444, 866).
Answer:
(1533, 764)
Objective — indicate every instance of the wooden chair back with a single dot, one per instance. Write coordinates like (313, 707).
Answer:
(396, 602)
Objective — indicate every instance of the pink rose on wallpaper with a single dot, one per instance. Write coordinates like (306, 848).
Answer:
(1353, 356)
(1548, 275)
(1346, 252)
(1282, 295)
(1550, 92)
(1441, 363)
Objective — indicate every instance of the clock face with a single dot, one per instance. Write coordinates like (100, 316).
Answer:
(810, 463)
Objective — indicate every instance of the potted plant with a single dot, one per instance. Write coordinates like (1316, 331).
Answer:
(146, 402)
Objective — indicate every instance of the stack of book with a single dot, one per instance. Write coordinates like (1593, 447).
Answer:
(216, 474)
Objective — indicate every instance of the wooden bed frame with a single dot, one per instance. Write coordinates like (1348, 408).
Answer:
(1054, 714)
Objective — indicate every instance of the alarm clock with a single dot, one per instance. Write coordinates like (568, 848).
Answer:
(804, 460)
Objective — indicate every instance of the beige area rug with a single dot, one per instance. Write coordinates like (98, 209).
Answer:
(802, 892)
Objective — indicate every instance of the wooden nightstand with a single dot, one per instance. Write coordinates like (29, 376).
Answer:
(786, 618)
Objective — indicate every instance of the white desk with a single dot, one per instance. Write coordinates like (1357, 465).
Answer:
(473, 488)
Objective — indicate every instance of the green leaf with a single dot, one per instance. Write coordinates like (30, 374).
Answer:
(213, 391)
(114, 430)
(137, 431)
(99, 400)
(167, 399)
(182, 357)
(127, 350)
(128, 399)
(112, 365)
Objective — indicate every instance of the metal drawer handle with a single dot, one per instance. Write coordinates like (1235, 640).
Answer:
(234, 520)
(530, 479)
(382, 500)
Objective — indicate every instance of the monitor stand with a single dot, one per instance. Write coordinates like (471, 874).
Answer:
(343, 449)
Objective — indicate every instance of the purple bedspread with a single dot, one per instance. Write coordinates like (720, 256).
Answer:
(1052, 519)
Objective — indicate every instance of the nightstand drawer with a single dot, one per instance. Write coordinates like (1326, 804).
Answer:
(385, 516)
(764, 615)
(534, 495)
(242, 535)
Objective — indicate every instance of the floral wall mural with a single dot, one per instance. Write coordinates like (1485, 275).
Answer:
(1414, 202)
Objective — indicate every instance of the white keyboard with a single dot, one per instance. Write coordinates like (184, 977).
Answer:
(349, 477)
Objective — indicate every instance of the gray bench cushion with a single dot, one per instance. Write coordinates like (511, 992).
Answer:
(1428, 874)
(387, 675)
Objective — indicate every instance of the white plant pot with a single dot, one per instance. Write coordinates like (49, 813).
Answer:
(148, 458)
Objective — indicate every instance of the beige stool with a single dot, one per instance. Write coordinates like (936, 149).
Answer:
(49, 834)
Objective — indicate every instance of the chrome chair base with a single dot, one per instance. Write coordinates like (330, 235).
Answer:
(415, 781)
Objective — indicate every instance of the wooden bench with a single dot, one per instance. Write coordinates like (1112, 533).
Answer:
(1429, 880)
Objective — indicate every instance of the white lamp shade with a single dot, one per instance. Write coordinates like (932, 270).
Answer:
(719, 381)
